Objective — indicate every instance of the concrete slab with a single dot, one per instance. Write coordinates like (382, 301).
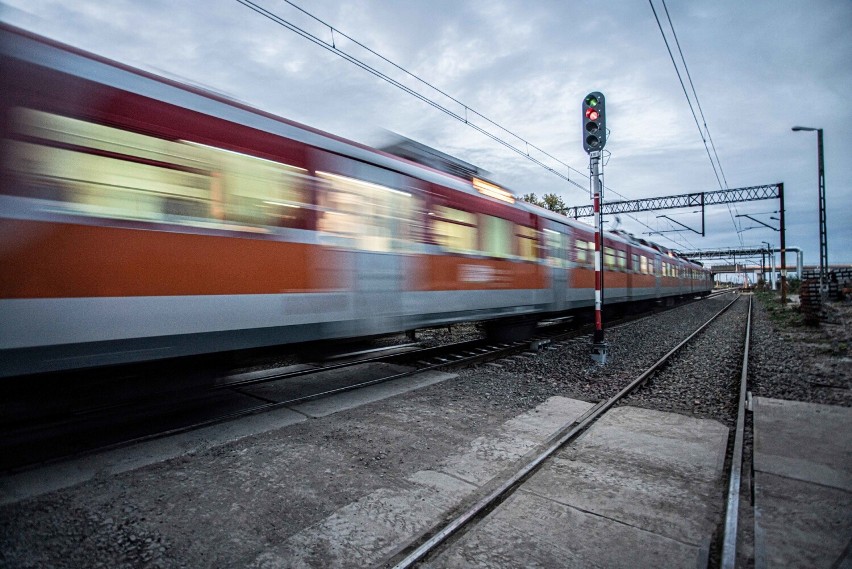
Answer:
(367, 531)
(352, 399)
(799, 524)
(489, 455)
(695, 447)
(644, 495)
(658, 471)
(804, 441)
(531, 531)
(802, 484)
(640, 488)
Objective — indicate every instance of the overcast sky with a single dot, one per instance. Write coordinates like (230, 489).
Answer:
(759, 68)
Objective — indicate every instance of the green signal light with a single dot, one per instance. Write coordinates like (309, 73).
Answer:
(592, 101)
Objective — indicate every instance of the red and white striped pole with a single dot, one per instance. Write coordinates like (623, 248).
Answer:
(599, 346)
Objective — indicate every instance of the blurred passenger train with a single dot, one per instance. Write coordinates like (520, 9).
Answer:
(142, 219)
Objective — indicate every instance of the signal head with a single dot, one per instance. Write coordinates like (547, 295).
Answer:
(594, 122)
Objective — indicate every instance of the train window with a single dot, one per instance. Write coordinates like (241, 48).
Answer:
(255, 191)
(526, 238)
(106, 171)
(555, 254)
(496, 236)
(585, 251)
(377, 218)
(454, 230)
(634, 260)
(621, 259)
(609, 257)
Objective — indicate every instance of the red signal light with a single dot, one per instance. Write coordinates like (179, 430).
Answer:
(592, 114)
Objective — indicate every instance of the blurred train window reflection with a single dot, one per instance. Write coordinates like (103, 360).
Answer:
(377, 218)
(585, 251)
(496, 236)
(621, 259)
(454, 230)
(555, 248)
(250, 190)
(527, 239)
(104, 171)
(609, 257)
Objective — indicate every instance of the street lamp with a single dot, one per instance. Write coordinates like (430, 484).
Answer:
(823, 236)
(771, 262)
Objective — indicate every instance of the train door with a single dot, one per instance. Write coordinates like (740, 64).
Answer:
(658, 280)
(633, 281)
(557, 245)
(377, 214)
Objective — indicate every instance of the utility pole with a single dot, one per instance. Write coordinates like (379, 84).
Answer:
(783, 246)
(823, 233)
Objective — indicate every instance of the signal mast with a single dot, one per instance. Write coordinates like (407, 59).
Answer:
(594, 139)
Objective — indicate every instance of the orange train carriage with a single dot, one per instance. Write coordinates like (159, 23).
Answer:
(141, 219)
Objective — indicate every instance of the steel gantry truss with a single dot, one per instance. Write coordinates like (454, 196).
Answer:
(698, 199)
(725, 253)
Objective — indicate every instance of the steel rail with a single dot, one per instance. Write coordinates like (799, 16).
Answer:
(729, 541)
(573, 430)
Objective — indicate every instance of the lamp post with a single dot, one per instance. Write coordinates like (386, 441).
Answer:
(823, 236)
(768, 262)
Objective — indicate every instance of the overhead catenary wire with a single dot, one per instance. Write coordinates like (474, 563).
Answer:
(354, 60)
(738, 228)
(332, 47)
(695, 95)
(713, 164)
(436, 89)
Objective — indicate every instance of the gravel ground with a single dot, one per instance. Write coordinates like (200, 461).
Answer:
(220, 507)
(801, 363)
(567, 369)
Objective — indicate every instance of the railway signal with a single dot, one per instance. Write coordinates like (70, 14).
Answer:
(594, 122)
(594, 139)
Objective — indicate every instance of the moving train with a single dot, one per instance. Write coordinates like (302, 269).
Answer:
(143, 219)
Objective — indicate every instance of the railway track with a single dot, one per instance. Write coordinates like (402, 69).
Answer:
(440, 538)
(42, 439)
